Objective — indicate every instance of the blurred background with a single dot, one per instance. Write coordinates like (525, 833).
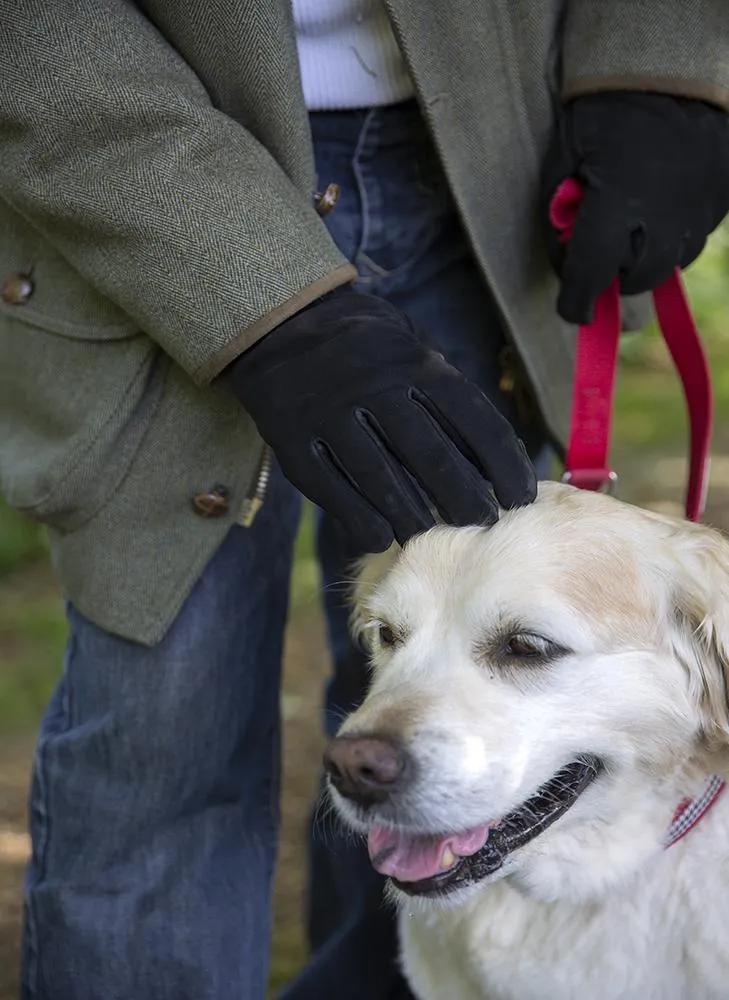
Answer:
(649, 453)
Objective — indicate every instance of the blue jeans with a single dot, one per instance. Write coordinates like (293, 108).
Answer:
(154, 804)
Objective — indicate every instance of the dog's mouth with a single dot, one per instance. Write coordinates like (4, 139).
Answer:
(432, 865)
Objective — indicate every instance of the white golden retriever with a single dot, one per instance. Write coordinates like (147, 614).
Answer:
(545, 694)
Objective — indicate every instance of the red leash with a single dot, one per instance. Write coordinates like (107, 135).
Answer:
(587, 463)
(596, 365)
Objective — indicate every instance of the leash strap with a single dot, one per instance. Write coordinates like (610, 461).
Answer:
(587, 459)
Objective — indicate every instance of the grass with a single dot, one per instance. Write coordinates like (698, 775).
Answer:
(32, 635)
(21, 541)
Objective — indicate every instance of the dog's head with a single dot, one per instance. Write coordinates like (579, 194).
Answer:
(543, 693)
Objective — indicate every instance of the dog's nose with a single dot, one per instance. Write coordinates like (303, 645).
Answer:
(366, 769)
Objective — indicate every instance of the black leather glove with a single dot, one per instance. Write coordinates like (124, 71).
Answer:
(656, 175)
(353, 406)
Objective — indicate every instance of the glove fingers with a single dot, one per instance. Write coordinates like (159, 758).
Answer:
(334, 491)
(455, 487)
(484, 437)
(380, 477)
(691, 247)
(600, 246)
(652, 262)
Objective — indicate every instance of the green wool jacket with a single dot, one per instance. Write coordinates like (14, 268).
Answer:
(157, 217)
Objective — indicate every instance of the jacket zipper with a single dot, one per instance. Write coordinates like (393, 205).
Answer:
(257, 494)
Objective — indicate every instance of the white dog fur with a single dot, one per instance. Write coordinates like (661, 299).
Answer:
(594, 908)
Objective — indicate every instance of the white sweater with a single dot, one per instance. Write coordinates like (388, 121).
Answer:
(348, 55)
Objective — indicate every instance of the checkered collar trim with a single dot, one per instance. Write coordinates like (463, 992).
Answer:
(691, 811)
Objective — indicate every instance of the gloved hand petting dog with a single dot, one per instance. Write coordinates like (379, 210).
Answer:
(358, 410)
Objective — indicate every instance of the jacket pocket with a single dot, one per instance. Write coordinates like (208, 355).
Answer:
(78, 385)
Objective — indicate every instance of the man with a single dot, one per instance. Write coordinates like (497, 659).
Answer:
(171, 295)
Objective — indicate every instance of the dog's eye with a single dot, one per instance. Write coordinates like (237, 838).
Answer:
(387, 635)
(527, 646)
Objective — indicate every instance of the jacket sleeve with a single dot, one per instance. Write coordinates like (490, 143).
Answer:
(678, 47)
(111, 149)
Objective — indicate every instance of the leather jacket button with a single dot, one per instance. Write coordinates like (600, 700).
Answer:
(212, 503)
(17, 289)
(324, 201)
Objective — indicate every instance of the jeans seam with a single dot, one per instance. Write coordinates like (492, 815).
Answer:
(361, 255)
(403, 266)
(41, 835)
(361, 185)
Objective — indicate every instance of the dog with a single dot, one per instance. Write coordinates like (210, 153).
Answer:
(547, 695)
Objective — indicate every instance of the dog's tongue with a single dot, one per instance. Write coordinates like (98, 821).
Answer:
(409, 857)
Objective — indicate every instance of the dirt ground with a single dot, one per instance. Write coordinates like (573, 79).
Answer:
(13, 853)
(657, 484)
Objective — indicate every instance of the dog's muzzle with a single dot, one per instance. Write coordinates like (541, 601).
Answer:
(551, 801)
(368, 770)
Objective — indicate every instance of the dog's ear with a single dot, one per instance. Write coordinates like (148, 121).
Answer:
(700, 578)
(368, 572)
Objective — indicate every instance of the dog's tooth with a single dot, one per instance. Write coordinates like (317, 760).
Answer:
(448, 858)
